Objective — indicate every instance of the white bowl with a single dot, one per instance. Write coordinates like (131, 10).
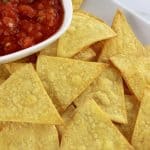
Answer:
(67, 4)
(105, 9)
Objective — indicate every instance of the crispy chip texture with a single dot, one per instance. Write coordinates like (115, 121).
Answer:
(84, 31)
(91, 129)
(29, 137)
(141, 134)
(76, 4)
(124, 43)
(136, 72)
(132, 106)
(4, 74)
(23, 99)
(12, 67)
(67, 116)
(86, 55)
(65, 79)
(107, 91)
(51, 50)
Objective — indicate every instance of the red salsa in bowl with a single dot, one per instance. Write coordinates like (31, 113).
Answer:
(24, 23)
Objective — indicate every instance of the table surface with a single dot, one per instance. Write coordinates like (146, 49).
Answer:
(142, 7)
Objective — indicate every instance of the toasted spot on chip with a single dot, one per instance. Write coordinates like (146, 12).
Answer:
(107, 91)
(135, 71)
(50, 50)
(91, 129)
(65, 79)
(4, 74)
(67, 116)
(24, 99)
(132, 106)
(124, 43)
(141, 134)
(76, 4)
(29, 137)
(84, 31)
(86, 55)
(12, 67)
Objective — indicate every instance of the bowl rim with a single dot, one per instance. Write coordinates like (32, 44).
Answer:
(68, 12)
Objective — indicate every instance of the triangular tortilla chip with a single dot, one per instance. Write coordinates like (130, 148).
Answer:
(86, 55)
(91, 129)
(65, 79)
(148, 50)
(107, 91)
(12, 67)
(141, 134)
(67, 116)
(50, 50)
(124, 43)
(84, 31)
(135, 71)
(76, 4)
(132, 106)
(4, 74)
(23, 99)
(29, 137)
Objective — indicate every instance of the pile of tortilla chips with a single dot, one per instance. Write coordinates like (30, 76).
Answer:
(90, 90)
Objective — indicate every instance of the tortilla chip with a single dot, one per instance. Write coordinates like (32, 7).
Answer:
(23, 99)
(51, 50)
(4, 74)
(84, 31)
(107, 91)
(76, 4)
(132, 106)
(135, 71)
(124, 43)
(29, 137)
(147, 47)
(65, 79)
(86, 55)
(91, 129)
(12, 67)
(141, 134)
(67, 116)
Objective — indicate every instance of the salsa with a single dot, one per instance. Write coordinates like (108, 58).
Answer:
(24, 23)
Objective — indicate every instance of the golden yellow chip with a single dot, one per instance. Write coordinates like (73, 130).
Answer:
(67, 116)
(135, 71)
(124, 43)
(107, 91)
(147, 47)
(29, 137)
(65, 79)
(12, 67)
(91, 129)
(132, 106)
(76, 4)
(4, 74)
(141, 134)
(84, 31)
(23, 99)
(86, 55)
(51, 50)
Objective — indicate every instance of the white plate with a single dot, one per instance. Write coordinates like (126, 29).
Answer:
(105, 9)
